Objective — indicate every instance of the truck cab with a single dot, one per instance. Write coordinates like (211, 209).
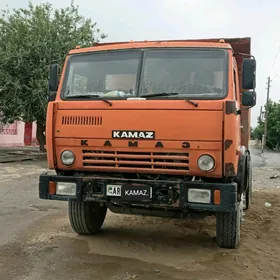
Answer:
(157, 128)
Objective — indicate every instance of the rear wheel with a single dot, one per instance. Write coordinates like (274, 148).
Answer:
(228, 227)
(249, 187)
(86, 217)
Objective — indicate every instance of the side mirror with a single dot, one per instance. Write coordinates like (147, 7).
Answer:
(53, 77)
(249, 73)
(249, 98)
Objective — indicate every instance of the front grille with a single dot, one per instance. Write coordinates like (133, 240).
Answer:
(126, 161)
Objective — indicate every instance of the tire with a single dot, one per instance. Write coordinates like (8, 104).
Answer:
(249, 187)
(251, 182)
(86, 218)
(228, 228)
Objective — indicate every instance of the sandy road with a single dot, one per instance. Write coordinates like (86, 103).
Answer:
(36, 241)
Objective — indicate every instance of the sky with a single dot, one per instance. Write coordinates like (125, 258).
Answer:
(124, 20)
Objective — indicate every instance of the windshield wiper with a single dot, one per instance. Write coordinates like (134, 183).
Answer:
(90, 96)
(159, 94)
(191, 102)
(168, 94)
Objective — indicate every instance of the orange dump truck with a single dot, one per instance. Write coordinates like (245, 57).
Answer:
(158, 128)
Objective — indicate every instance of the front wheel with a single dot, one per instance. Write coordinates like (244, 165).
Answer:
(228, 226)
(86, 217)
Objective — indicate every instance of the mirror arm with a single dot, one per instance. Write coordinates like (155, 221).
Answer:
(243, 54)
(244, 109)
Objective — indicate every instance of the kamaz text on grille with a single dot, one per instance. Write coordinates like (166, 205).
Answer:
(124, 134)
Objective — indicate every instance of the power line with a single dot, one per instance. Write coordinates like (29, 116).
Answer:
(276, 56)
(275, 59)
(274, 77)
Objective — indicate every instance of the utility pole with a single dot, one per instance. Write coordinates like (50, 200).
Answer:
(261, 113)
(266, 114)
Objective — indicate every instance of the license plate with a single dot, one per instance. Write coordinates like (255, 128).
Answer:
(114, 190)
(130, 192)
(136, 192)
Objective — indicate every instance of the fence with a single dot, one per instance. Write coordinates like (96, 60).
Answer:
(8, 129)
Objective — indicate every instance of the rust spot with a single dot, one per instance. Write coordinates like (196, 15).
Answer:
(228, 143)
(229, 169)
(230, 107)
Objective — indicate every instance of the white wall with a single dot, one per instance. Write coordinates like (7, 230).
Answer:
(18, 139)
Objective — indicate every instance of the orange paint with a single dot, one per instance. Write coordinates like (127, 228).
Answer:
(50, 125)
(208, 128)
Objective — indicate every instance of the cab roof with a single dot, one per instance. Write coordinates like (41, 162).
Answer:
(241, 45)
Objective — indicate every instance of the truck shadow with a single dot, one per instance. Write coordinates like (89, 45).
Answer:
(153, 240)
(157, 239)
(130, 235)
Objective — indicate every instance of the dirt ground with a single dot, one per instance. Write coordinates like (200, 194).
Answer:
(148, 248)
(131, 247)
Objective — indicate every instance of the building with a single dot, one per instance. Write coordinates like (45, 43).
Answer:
(18, 134)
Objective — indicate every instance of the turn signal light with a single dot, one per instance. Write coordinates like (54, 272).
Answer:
(217, 197)
(52, 188)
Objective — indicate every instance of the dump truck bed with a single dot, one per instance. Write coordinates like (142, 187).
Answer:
(241, 45)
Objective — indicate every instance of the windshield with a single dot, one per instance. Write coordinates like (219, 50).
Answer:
(111, 74)
(190, 73)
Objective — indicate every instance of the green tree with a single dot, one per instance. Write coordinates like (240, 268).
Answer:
(273, 125)
(30, 41)
(258, 130)
(251, 133)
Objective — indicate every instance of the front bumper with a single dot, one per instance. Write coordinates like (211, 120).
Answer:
(92, 188)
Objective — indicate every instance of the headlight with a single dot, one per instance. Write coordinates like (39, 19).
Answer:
(65, 188)
(67, 157)
(199, 196)
(206, 163)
